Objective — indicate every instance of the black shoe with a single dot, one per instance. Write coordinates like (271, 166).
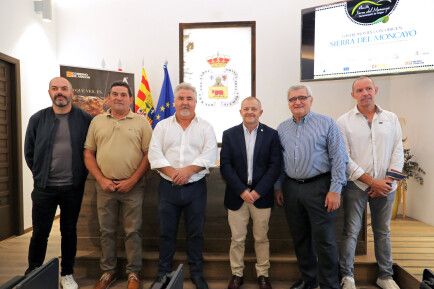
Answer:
(264, 282)
(160, 282)
(235, 282)
(300, 284)
(199, 282)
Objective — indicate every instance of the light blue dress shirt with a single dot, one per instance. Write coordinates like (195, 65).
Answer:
(312, 147)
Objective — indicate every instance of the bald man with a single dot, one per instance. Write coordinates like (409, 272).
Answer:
(373, 139)
(53, 149)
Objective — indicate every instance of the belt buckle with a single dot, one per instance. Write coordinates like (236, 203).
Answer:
(300, 181)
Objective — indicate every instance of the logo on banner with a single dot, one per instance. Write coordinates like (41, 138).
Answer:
(367, 12)
(73, 74)
(218, 85)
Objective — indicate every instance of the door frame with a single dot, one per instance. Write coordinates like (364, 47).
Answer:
(16, 142)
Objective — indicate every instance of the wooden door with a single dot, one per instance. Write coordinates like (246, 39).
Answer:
(9, 218)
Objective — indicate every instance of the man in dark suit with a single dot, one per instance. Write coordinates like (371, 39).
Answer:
(250, 163)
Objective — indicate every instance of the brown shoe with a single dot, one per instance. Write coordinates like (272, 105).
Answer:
(133, 281)
(235, 282)
(106, 280)
(264, 282)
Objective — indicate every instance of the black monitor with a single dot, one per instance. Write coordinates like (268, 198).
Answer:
(10, 284)
(44, 277)
(176, 279)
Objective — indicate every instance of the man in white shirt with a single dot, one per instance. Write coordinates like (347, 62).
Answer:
(183, 147)
(373, 139)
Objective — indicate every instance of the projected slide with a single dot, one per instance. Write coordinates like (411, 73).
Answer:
(373, 37)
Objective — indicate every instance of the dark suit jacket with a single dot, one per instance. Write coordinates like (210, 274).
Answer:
(266, 165)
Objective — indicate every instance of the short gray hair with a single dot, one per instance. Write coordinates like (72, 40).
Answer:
(185, 86)
(361, 78)
(300, 86)
(252, 98)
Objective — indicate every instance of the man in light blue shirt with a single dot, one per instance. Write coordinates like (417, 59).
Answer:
(315, 160)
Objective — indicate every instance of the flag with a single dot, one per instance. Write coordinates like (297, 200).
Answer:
(165, 107)
(144, 103)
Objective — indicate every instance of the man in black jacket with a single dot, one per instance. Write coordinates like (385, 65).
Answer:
(250, 163)
(53, 150)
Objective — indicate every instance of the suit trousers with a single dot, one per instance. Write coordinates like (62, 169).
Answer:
(111, 207)
(313, 231)
(189, 199)
(238, 222)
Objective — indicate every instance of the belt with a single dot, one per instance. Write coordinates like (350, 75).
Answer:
(309, 180)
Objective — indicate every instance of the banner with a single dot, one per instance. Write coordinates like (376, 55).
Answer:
(91, 86)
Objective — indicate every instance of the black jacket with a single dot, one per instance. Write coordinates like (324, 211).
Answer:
(267, 160)
(38, 144)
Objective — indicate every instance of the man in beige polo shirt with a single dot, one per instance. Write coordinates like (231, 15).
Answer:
(116, 154)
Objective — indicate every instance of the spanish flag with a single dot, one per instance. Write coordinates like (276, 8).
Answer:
(144, 103)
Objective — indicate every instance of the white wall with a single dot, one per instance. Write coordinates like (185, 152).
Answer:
(26, 37)
(413, 99)
(131, 30)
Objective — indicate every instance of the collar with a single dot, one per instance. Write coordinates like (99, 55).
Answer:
(73, 109)
(108, 113)
(304, 118)
(195, 119)
(356, 111)
(247, 130)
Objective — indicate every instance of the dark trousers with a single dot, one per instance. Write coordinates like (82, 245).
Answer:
(45, 202)
(173, 200)
(313, 231)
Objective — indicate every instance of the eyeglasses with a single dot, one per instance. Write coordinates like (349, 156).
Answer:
(300, 98)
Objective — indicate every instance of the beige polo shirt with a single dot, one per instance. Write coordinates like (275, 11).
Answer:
(119, 143)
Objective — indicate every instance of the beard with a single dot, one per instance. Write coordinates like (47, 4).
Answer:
(61, 100)
(184, 112)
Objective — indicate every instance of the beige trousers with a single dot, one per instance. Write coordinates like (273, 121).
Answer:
(126, 208)
(238, 221)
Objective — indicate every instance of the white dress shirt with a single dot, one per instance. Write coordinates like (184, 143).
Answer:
(372, 149)
(173, 146)
(250, 139)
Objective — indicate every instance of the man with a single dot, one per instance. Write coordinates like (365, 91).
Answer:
(53, 149)
(183, 148)
(116, 155)
(314, 172)
(250, 163)
(373, 139)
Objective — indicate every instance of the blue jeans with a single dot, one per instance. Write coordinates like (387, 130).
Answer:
(354, 203)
